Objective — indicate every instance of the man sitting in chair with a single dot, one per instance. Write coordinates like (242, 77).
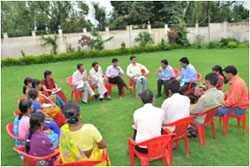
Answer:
(237, 94)
(212, 98)
(165, 73)
(148, 120)
(98, 80)
(80, 80)
(188, 74)
(134, 71)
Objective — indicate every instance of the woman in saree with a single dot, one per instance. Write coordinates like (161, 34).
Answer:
(42, 95)
(79, 142)
(36, 141)
(49, 85)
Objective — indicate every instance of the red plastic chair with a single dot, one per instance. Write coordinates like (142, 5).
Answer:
(9, 128)
(157, 149)
(30, 160)
(58, 161)
(239, 118)
(176, 72)
(21, 99)
(208, 120)
(109, 85)
(199, 76)
(78, 94)
(95, 87)
(131, 83)
(181, 127)
(16, 113)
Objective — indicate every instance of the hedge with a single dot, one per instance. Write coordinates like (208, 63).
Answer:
(48, 58)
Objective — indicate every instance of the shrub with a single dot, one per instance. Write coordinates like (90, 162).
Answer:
(198, 42)
(51, 41)
(144, 39)
(225, 41)
(232, 45)
(175, 46)
(123, 48)
(214, 44)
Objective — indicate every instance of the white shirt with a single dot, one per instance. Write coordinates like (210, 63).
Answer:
(111, 70)
(133, 70)
(78, 77)
(96, 75)
(175, 107)
(148, 121)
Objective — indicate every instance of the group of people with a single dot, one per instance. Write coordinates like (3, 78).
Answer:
(48, 122)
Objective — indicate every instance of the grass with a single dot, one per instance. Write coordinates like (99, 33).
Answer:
(114, 118)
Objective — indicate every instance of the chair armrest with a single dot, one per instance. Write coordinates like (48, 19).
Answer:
(105, 78)
(167, 131)
(190, 84)
(57, 152)
(104, 155)
(131, 141)
(58, 161)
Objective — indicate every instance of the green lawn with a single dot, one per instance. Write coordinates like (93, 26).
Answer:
(114, 118)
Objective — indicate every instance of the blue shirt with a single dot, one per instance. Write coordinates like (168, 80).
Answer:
(166, 73)
(36, 106)
(188, 74)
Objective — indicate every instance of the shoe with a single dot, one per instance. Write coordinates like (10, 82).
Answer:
(96, 96)
(84, 102)
(101, 99)
(158, 95)
(108, 97)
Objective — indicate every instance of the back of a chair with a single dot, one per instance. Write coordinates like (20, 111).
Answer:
(143, 72)
(58, 161)
(31, 160)
(70, 82)
(157, 146)
(176, 72)
(16, 113)
(209, 115)
(9, 129)
(199, 76)
(19, 100)
(181, 126)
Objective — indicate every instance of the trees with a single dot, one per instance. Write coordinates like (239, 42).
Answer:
(144, 38)
(100, 15)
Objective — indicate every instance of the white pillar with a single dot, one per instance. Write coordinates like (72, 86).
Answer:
(84, 30)
(107, 30)
(60, 32)
(149, 28)
(5, 35)
(33, 33)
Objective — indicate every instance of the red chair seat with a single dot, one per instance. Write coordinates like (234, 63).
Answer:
(208, 120)
(9, 128)
(199, 76)
(78, 94)
(176, 72)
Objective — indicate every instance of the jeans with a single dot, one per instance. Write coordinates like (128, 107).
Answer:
(226, 110)
(138, 82)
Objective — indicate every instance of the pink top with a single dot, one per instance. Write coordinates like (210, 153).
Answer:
(23, 127)
(237, 94)
(220, 82)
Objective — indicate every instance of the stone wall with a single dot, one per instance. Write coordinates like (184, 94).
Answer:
(31, 45)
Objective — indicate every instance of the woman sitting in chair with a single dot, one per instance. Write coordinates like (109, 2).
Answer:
(27, 85)
(79, 142)
(36, 142)
(49, 85)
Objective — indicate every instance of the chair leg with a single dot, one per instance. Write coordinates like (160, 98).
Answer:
(177, 142)
(130, 91)
(144, 162)
(213, 129)
(25, 163)
(201, 132)
(225, 124)
(186, 143)
(72, 96)
(123, 90)
(131, 155)
(244, 123)
(76, 97)
(238, 121)
(220, 119)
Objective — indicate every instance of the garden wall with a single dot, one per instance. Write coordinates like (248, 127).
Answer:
(31, 45)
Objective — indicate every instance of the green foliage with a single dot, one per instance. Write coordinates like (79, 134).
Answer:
(96, 41)
(214, 44)
(198, 42)
(100, 15)
(232, 45)
(52, 42)
(23, 54)
(224, 41)
(144, 38)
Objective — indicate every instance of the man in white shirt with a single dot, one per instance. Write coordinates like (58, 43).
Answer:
(97, 79)
(80, 81)
(148, 120)
(176, 106)
(134, 72)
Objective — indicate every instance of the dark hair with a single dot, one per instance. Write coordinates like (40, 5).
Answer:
(71, 111)
(35, 82)
(212, 78)
(147, 96)
(218, 68)
(230, 69)
(36, 120)
(26, 81)
(114, 60)
(24, 105)
(32, 93)
(79, 66)
(94, 64)
(174, 86)
(184, 60)
(164, 61)
(46, 73)
(132, 57)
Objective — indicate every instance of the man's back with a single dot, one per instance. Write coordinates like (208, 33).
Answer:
(175, 107)
(148, 120)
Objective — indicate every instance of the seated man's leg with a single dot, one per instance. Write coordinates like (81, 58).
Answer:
(222, 111)
(238, 111)
(53, 126)
(145, 83)
(166, 87)
(159, 84)
(183, 88)
(138, 85)
(120, 84)
(101, 88)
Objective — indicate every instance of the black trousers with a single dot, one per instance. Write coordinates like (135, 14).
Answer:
(166, 86)
(185, 87)
(140, 149)
(117, 80)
